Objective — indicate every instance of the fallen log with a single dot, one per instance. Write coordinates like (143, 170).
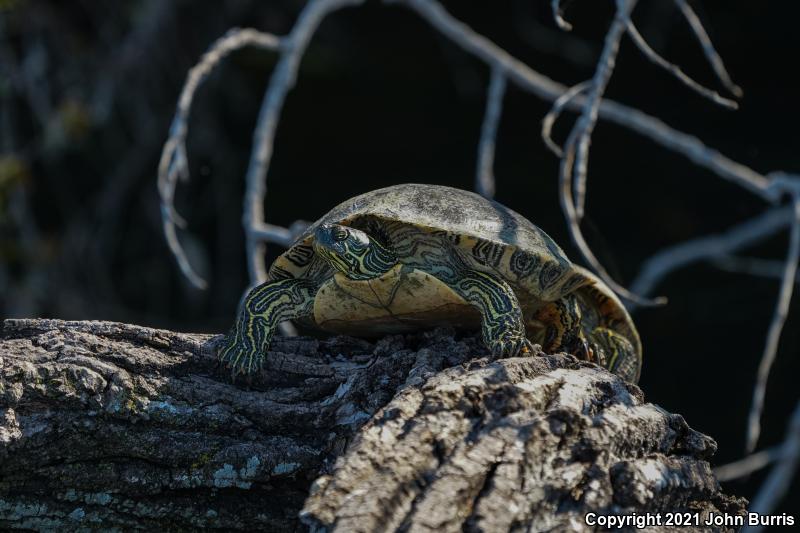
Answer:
(106, 425)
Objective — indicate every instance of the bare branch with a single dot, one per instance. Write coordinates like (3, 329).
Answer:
(780, 477)
(775, 329)
(673, 69)
(547, 89)
(484, 179)
(576, 150)
(578, 140)
(173, 163)
(552, 116)
(711, 54)
(655, 269)
(282, 81)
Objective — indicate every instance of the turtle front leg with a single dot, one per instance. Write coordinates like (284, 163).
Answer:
(562, 321)
(265, 306)
(502, 326)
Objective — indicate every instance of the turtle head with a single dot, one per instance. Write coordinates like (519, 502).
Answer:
(352, 252)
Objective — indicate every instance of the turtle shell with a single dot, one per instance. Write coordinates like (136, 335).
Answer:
(485, 235)
(491, 237)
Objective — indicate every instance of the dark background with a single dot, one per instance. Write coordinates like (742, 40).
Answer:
(88, 90)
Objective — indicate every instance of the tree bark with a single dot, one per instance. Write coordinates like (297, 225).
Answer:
(106, 425)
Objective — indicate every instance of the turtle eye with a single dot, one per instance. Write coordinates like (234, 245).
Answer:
(340, 234)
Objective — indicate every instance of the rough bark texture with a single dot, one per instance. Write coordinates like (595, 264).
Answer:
(106, 425)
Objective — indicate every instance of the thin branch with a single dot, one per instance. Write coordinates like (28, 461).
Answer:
(655, 269)
(775, 329)
(579, 138)
(547, 89)
(173, 163)
(752, 463)
(484, 179)
(780, 477)
(282, 80)
(576, 150)
(673, 69)
(710, 52)
(552, 116)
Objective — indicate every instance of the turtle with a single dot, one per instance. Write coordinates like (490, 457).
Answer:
(414, 256)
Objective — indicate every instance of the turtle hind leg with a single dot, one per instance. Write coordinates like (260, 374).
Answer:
(502, 325)
(616, 352)
(563, 332)
(264, 307)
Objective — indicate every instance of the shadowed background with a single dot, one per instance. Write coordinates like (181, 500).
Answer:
(88, 90)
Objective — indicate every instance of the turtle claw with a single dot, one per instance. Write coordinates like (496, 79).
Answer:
(527, 348)
(239, 356)
(498, 349)
(511, 347)
(505, 337)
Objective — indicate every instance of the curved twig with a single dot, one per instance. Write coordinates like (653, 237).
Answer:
(675, 70)
(775, 328)
(173, 164)
(576, 152)
(552, 116)
(709, 51)
(575, 161)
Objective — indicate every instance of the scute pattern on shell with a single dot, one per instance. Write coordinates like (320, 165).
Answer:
(485, 230)
(487, 252)
(522, 263)
(445, 208)
(300, 255)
